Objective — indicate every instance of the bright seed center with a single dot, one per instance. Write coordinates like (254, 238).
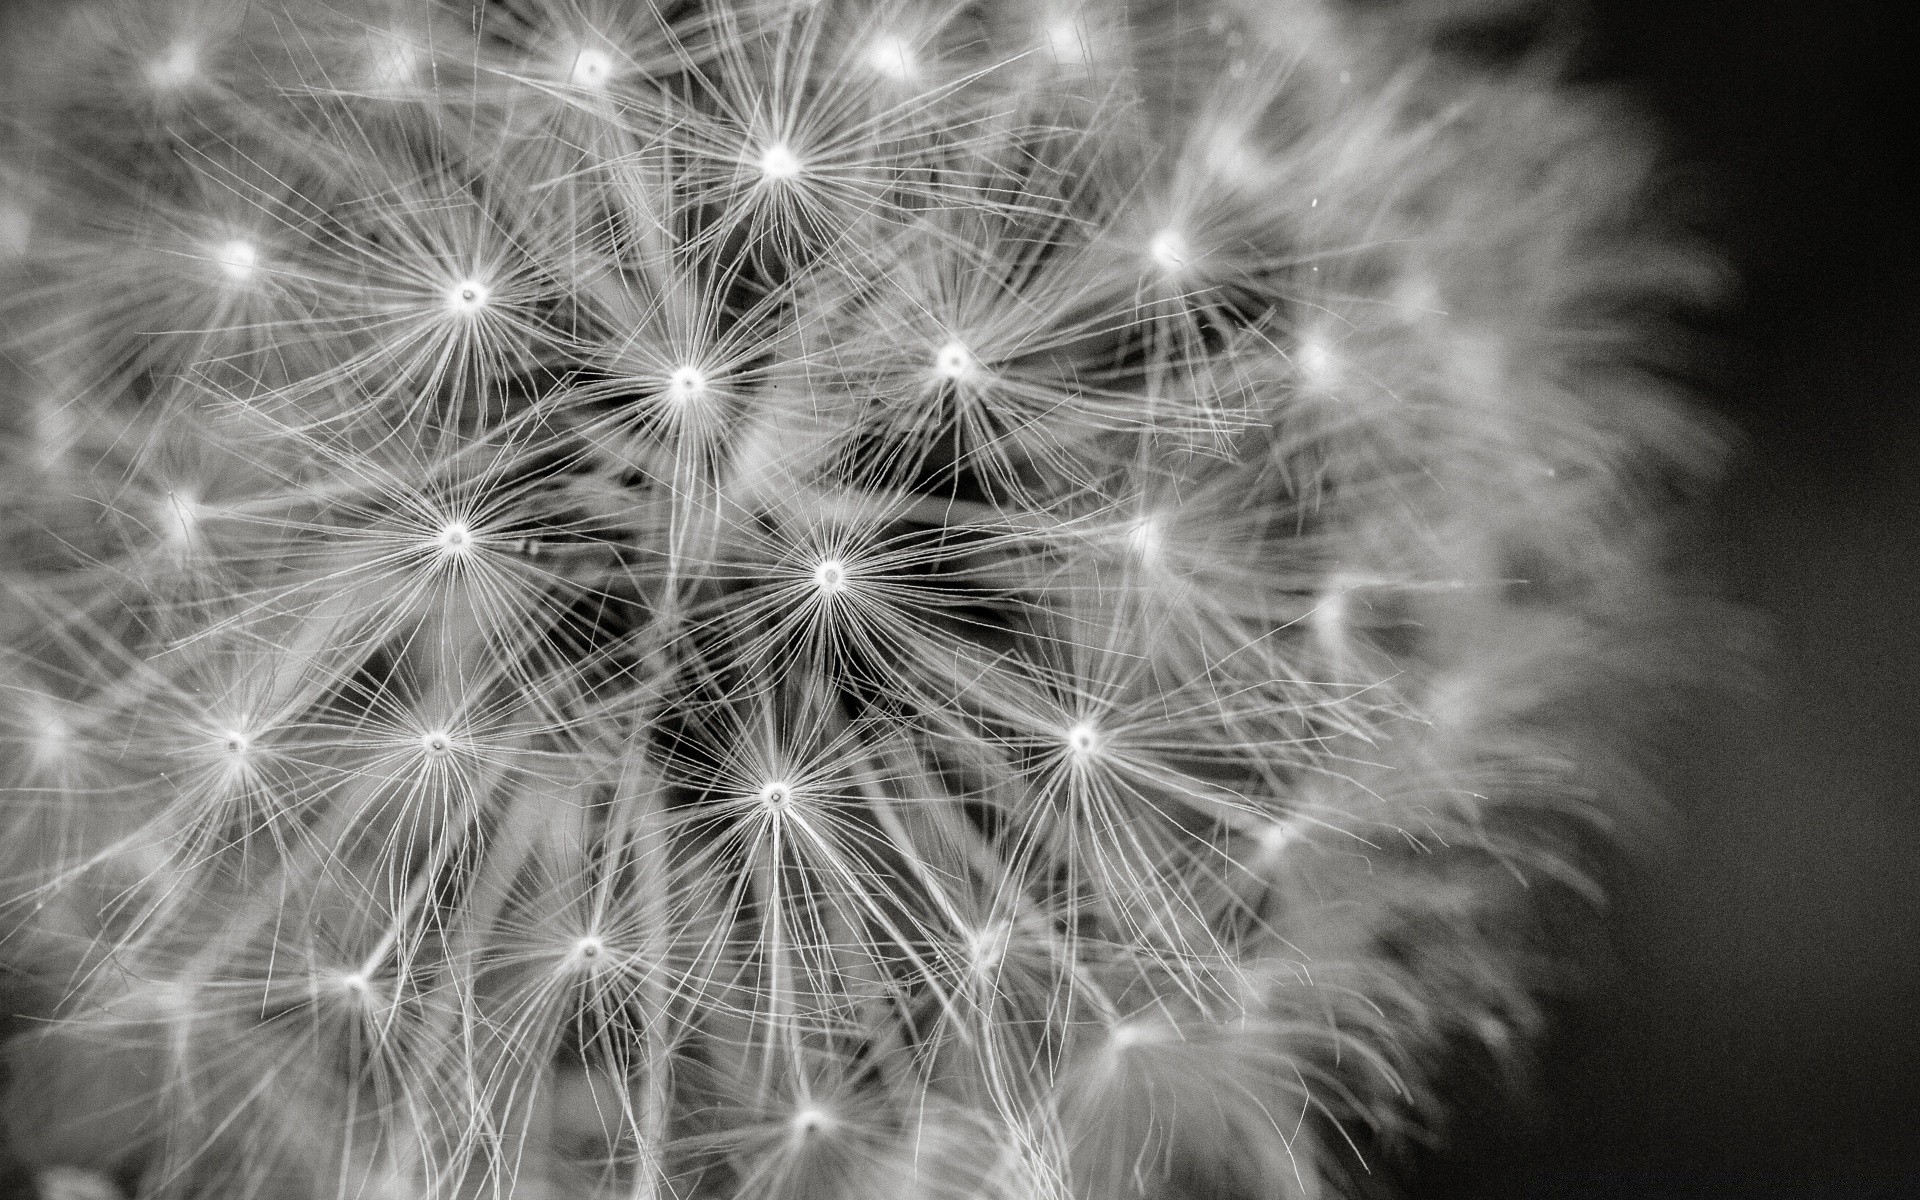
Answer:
(779, 162)
(1066, 42)
(953, 361)
(176, 67)
(686, 383)
(237, 258)
(892, 56)
(436, 743)
(1169, 250)
(591, 69)
(778, 794)
(1083, 740)
(455, 538)
(831, 576)
(468, 296)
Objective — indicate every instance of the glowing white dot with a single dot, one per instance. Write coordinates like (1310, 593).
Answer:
(830, 577)
(1065, 41)
(1135, 1033)
(176, 67)
(777, 795)
(589, 948)
(986, 947)
(1274, 839)
(395, 64)
(236, 742)
(237, 258)
(53, 737)
(1169, 250)
(686, 383)
(436, 744)
(180, 515)
(590, 69)
(813, 1119)
(892, 56)
(455, 537)
(779, 162)
(1145, 539)
(1082, 740)
(1318, 362)
(16, 229)
(356, 984)
(953, 361)
(468, 296)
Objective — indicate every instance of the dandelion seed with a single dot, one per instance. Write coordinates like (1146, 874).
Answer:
(587, 950)
(1169, 251)
(1145, 539)
(776, 796)
(176, 67)
(1319, 364)
(436, 744)
(357, 985)
(892, 56)
(1083, 741)
(16, 229)
(954, 361)
(468, 296)
(180, 516)
(236, 742)
(1129, 1034)
(686, 384)
(395, 64)
(455, 537)
(1065, 40)
(811, 1120)
(830, 576)
(779, 163)
(590, 69)
(237, 258)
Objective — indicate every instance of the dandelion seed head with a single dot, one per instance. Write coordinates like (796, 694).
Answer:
(468, 296)
(1169, 250)
(587, 950)
(436, 743)
(776, 796)
(590, 68)
(1082, 741)
(892, 56)
(954, 361)
(237, 258)
(779, 163)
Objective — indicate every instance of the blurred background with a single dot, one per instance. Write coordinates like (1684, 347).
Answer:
(1758, 1035)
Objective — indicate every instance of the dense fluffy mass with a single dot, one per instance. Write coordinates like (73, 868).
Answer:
(783, 599)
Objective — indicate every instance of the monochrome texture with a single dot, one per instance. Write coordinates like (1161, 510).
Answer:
(1017, 599)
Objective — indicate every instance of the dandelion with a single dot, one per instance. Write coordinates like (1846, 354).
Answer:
(741, 598)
